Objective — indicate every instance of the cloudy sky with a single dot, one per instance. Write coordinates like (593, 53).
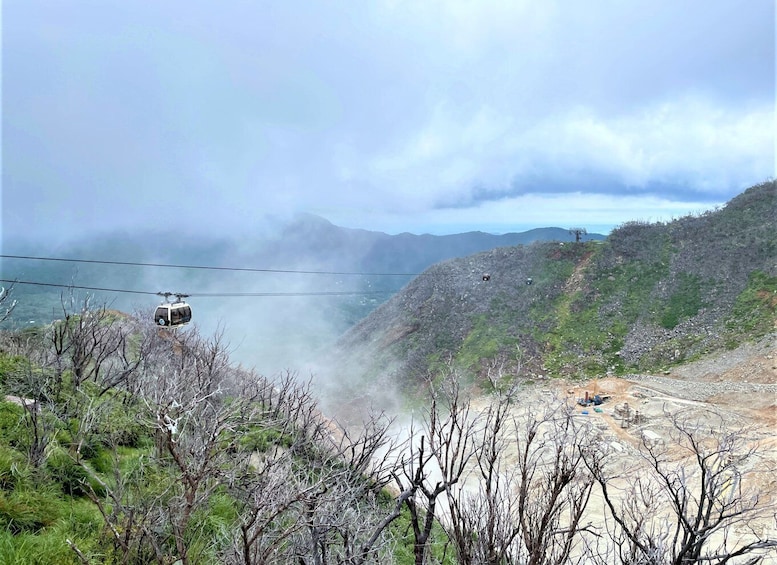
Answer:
(435, 116)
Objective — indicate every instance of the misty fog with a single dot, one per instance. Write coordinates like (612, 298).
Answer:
(273, 321)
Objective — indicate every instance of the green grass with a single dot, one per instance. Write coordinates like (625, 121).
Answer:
(486, 340)
(31, 549)
(35, 523)
(755, 310)
(12, 365)
(212, 529)
(582, 331)
(439, 545)
(13, 430)
(684, 302)
(261, 438)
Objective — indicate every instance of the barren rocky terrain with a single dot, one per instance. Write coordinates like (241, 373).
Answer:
(738, 387)
(740, 384)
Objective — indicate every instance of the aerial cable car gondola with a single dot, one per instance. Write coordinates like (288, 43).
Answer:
(172, 314)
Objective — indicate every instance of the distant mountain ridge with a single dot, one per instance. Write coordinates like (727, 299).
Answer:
(647, 297)
(306, 243)
(306, 239)
(372, 251)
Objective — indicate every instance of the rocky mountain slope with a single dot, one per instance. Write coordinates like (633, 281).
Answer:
(649, 297)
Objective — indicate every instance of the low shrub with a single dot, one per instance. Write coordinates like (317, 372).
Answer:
(13, 431)
(29, 510)
(14, 471)
(71, 476)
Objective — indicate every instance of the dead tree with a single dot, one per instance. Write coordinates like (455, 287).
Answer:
(420, 495)
(196, 422)
(529, 511)
(194, 418)
(484, 520)
(39, 420)
(130, 511)
(554, 486)
(35, 384)
(92, 345)
(346, 521)
(89, 346)
(6, 303)
(314, 493)
(437, 460)
(686, 509)
(87, 338)
(525, 489)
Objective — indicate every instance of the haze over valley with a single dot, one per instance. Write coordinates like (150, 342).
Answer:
(273, 297)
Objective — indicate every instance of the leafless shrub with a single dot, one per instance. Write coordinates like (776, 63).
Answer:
(6, 303)
(692, 502)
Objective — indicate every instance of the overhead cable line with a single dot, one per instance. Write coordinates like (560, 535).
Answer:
(76, 287)
(205, 294)
(207, 267)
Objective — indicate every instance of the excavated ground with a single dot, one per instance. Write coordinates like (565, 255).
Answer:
(738, 387)
(741, 385)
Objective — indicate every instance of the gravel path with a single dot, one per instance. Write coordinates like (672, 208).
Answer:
(700, 391)
(748, 371)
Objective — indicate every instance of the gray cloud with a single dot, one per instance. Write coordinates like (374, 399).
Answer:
(394, 115)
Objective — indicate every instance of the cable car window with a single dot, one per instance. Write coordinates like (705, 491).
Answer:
(161, 316)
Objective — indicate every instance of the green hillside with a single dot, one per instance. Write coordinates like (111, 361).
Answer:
(651, 295)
